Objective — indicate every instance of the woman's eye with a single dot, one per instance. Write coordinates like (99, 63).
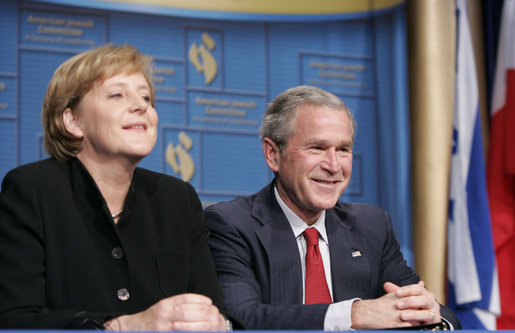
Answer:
(115, 95)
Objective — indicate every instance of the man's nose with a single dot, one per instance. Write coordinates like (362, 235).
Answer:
(330, 161)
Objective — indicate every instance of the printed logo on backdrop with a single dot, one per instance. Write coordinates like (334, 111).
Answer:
(61, 30)
(204, 55)
(339, 74)
(168, 78)
(202, 58)
(179, 158)
(239, 111)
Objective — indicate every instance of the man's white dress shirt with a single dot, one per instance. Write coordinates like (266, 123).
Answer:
(338, 316)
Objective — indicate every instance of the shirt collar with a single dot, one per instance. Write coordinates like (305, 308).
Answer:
(297, 224)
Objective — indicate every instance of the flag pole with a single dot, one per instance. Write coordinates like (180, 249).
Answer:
(432, 49)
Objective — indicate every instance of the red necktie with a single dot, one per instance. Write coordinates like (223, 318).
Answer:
(316, 284)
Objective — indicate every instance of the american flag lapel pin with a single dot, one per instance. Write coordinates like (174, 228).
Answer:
(356, 253)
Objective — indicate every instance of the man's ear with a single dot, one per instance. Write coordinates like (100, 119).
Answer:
(71, 123)
(272, 154)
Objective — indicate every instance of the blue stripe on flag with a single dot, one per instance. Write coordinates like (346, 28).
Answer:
(479, 217)
(481, 237)
(471, 257)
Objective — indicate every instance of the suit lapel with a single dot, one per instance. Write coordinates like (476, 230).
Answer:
(349, 262)
(281, 249)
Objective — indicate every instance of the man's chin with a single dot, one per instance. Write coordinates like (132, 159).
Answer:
(327, 203)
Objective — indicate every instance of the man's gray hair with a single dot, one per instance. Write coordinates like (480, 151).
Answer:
(280, 116)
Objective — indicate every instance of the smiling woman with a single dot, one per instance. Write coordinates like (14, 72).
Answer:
(88, 239)
(115, 119)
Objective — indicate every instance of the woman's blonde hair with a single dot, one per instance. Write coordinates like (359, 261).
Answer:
(73, 79)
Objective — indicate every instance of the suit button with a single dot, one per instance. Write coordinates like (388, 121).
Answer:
(123, 294)
(117, 253)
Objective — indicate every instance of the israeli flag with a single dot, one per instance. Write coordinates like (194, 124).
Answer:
(472, 272)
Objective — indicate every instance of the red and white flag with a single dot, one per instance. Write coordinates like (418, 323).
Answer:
(501, 166)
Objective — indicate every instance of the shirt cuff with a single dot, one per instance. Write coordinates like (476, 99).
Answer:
(338, 316)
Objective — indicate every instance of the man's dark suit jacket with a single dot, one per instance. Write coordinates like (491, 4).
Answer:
(259, 268)
(63, 261)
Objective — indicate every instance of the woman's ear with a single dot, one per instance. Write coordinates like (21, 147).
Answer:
(272, 154)
(71, 123)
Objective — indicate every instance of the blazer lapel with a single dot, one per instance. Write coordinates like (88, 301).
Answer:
(278, 241)
(349, 262)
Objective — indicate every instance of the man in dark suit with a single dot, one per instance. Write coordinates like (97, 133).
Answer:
(273, 275)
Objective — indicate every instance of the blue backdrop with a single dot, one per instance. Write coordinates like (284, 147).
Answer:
(214, 77)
